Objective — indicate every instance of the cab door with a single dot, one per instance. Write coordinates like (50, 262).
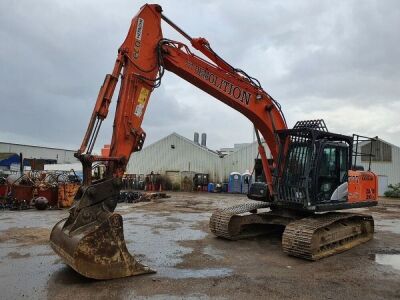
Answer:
(332, 167)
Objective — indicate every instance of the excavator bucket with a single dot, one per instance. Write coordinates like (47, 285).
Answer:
(92, 242)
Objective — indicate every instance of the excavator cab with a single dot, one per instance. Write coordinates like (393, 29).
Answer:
(314, 166)
(313, 170)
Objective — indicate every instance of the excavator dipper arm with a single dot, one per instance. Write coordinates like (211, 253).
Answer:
(137, 64)
(91, 239)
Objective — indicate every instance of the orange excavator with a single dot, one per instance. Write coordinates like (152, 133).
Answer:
(311, 174)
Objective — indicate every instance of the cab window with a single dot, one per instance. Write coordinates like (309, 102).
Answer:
(332, 170)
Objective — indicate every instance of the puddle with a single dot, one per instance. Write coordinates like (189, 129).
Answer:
(392, 260)
(195, 273)
(32, 218)
(155, 240)
(23, 273)
(42, 271)
(171, 297)
(388, 225)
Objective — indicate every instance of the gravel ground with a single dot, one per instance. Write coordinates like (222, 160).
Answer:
(172, 236)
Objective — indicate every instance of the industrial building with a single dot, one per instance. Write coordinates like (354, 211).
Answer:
(385, 162)
(36, 156)
(175, 154)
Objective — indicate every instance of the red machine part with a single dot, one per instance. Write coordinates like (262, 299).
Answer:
(363, 186)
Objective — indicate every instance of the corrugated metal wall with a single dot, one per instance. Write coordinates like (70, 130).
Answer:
(174, 153)
(380, 150)
(390, 169)
(160, 157)
(241, 160)
(61, 155)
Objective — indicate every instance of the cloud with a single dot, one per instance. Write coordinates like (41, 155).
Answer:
(336, 61)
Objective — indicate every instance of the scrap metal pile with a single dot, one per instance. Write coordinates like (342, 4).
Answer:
(40, 189)
(136, 196)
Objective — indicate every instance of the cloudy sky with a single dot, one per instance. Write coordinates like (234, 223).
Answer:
(336, 60)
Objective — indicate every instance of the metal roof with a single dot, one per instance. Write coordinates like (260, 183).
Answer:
(35, 146)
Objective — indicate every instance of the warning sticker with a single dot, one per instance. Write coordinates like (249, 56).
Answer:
(144, 93)
(139, 110)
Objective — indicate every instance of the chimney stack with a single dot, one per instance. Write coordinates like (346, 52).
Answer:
(204, 139)
(196, 137)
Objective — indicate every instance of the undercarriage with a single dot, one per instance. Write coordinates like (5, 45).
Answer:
(306, 235)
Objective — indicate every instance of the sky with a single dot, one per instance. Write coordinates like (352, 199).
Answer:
(335, 60)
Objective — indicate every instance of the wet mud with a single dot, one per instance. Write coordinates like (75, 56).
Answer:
(172, 236)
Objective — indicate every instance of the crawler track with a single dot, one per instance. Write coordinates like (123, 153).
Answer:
(319, 236)
(230, 222)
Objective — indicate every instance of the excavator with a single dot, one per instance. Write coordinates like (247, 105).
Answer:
(310, 175)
